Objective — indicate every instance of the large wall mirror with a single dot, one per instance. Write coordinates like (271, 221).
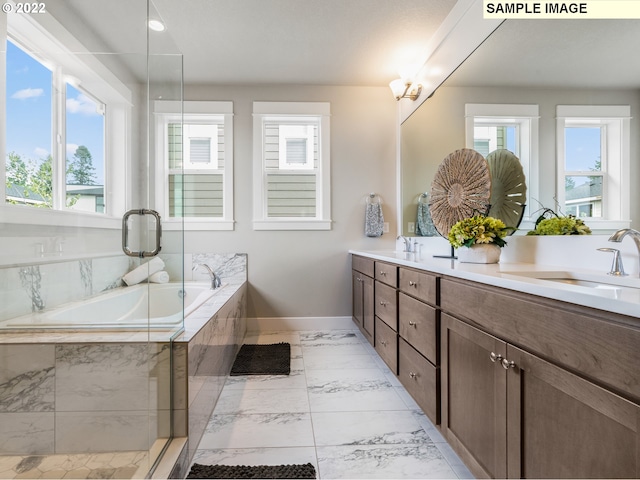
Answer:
(547, 66)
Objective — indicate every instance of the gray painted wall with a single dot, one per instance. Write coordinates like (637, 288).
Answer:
(307, 273)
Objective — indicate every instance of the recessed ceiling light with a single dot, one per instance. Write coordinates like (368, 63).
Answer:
(156, 25)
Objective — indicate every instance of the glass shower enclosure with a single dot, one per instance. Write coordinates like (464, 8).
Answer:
(90, 298)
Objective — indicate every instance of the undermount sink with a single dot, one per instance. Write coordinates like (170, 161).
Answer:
(579, 279)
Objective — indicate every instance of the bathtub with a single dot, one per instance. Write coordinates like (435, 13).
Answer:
(139, 307)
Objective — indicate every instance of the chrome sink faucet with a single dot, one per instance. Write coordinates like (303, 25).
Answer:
(635, 236)
(407, 243)
(215, 279)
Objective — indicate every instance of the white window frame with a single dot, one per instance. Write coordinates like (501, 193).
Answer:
(526, 119)
(616, 163)
(193, 112)
(289, 112)
(46, 36)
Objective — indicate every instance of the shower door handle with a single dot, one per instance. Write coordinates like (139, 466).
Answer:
(125, 233)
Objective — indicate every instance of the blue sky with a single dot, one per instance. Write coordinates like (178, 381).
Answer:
(29, 93)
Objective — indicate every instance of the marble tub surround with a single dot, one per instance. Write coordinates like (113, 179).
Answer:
(30, 288)
(50, 283)
(302, 417)
(60, 388)
(202, 361)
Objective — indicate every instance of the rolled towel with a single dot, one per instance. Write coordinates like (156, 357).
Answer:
(374, 220)
(159, 277)
(142, 272)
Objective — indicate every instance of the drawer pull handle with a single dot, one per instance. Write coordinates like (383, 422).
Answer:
(413, 284)
(383, 303)
(383, 343)
(506, 364)
(358, 279)
(413, 375)
(383, 273)
(495, 357)
(412, 324)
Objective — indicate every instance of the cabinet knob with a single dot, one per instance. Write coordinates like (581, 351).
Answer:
(413, 375)
(506, 364)
(412, 324)
(495, 357)
(413, 284)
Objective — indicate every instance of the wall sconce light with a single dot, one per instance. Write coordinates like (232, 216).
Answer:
(401, 89)
(405, 86)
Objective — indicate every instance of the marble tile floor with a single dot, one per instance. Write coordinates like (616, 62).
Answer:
(120, 465)
(341, 409)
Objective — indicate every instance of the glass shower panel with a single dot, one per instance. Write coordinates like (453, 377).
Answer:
(98, 339)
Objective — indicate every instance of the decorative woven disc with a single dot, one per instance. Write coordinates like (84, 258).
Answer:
(508, 187)
(461, 189)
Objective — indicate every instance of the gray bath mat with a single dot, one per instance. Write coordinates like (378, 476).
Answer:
(272, 359)
(260, 471)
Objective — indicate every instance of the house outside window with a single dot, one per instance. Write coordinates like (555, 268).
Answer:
(593, 163)
(194, 177)
(66, 117)
(491, 127)
(291, 166)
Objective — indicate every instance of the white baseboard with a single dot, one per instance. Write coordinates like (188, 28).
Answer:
(278, 324)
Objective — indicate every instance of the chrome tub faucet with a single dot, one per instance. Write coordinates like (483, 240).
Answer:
(215, 279)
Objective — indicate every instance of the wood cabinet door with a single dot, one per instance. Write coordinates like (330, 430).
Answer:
(563, 426)
(368, 308)
(357, 297)
(474, 397)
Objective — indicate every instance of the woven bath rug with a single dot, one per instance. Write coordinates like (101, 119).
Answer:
(273, 359)
(260, 471)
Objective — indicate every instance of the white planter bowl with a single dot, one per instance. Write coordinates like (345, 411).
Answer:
(479, 253)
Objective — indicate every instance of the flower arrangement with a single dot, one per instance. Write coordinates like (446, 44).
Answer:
(478, 230)
(559, 225)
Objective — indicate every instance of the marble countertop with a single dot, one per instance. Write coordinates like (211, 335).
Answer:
(518, 277)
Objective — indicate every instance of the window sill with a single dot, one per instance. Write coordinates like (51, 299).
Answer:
(294, 224)
(16, 214)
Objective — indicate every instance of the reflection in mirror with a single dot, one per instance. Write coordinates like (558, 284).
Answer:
(538, 63)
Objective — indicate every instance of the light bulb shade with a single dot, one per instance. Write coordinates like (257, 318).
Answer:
(398, 88)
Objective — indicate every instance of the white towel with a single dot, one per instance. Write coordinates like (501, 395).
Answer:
(159, 277)
(374, 220)
(140, 273)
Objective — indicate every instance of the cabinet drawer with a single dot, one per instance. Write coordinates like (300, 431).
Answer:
(363, 264)
(418, 326)
(419, 284)
(421, 379)
(387, 304)
(386, 344)
(387, 273)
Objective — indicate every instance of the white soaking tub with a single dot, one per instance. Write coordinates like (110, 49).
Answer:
(139, 307)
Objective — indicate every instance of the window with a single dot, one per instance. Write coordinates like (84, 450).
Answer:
(291, 166)
(60, 104)
(195, 152)
(491, 127)
(593, 163)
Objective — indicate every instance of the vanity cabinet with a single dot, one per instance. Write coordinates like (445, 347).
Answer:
(419, 343)
(386, 311)
(512, 407)
(363, 297)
